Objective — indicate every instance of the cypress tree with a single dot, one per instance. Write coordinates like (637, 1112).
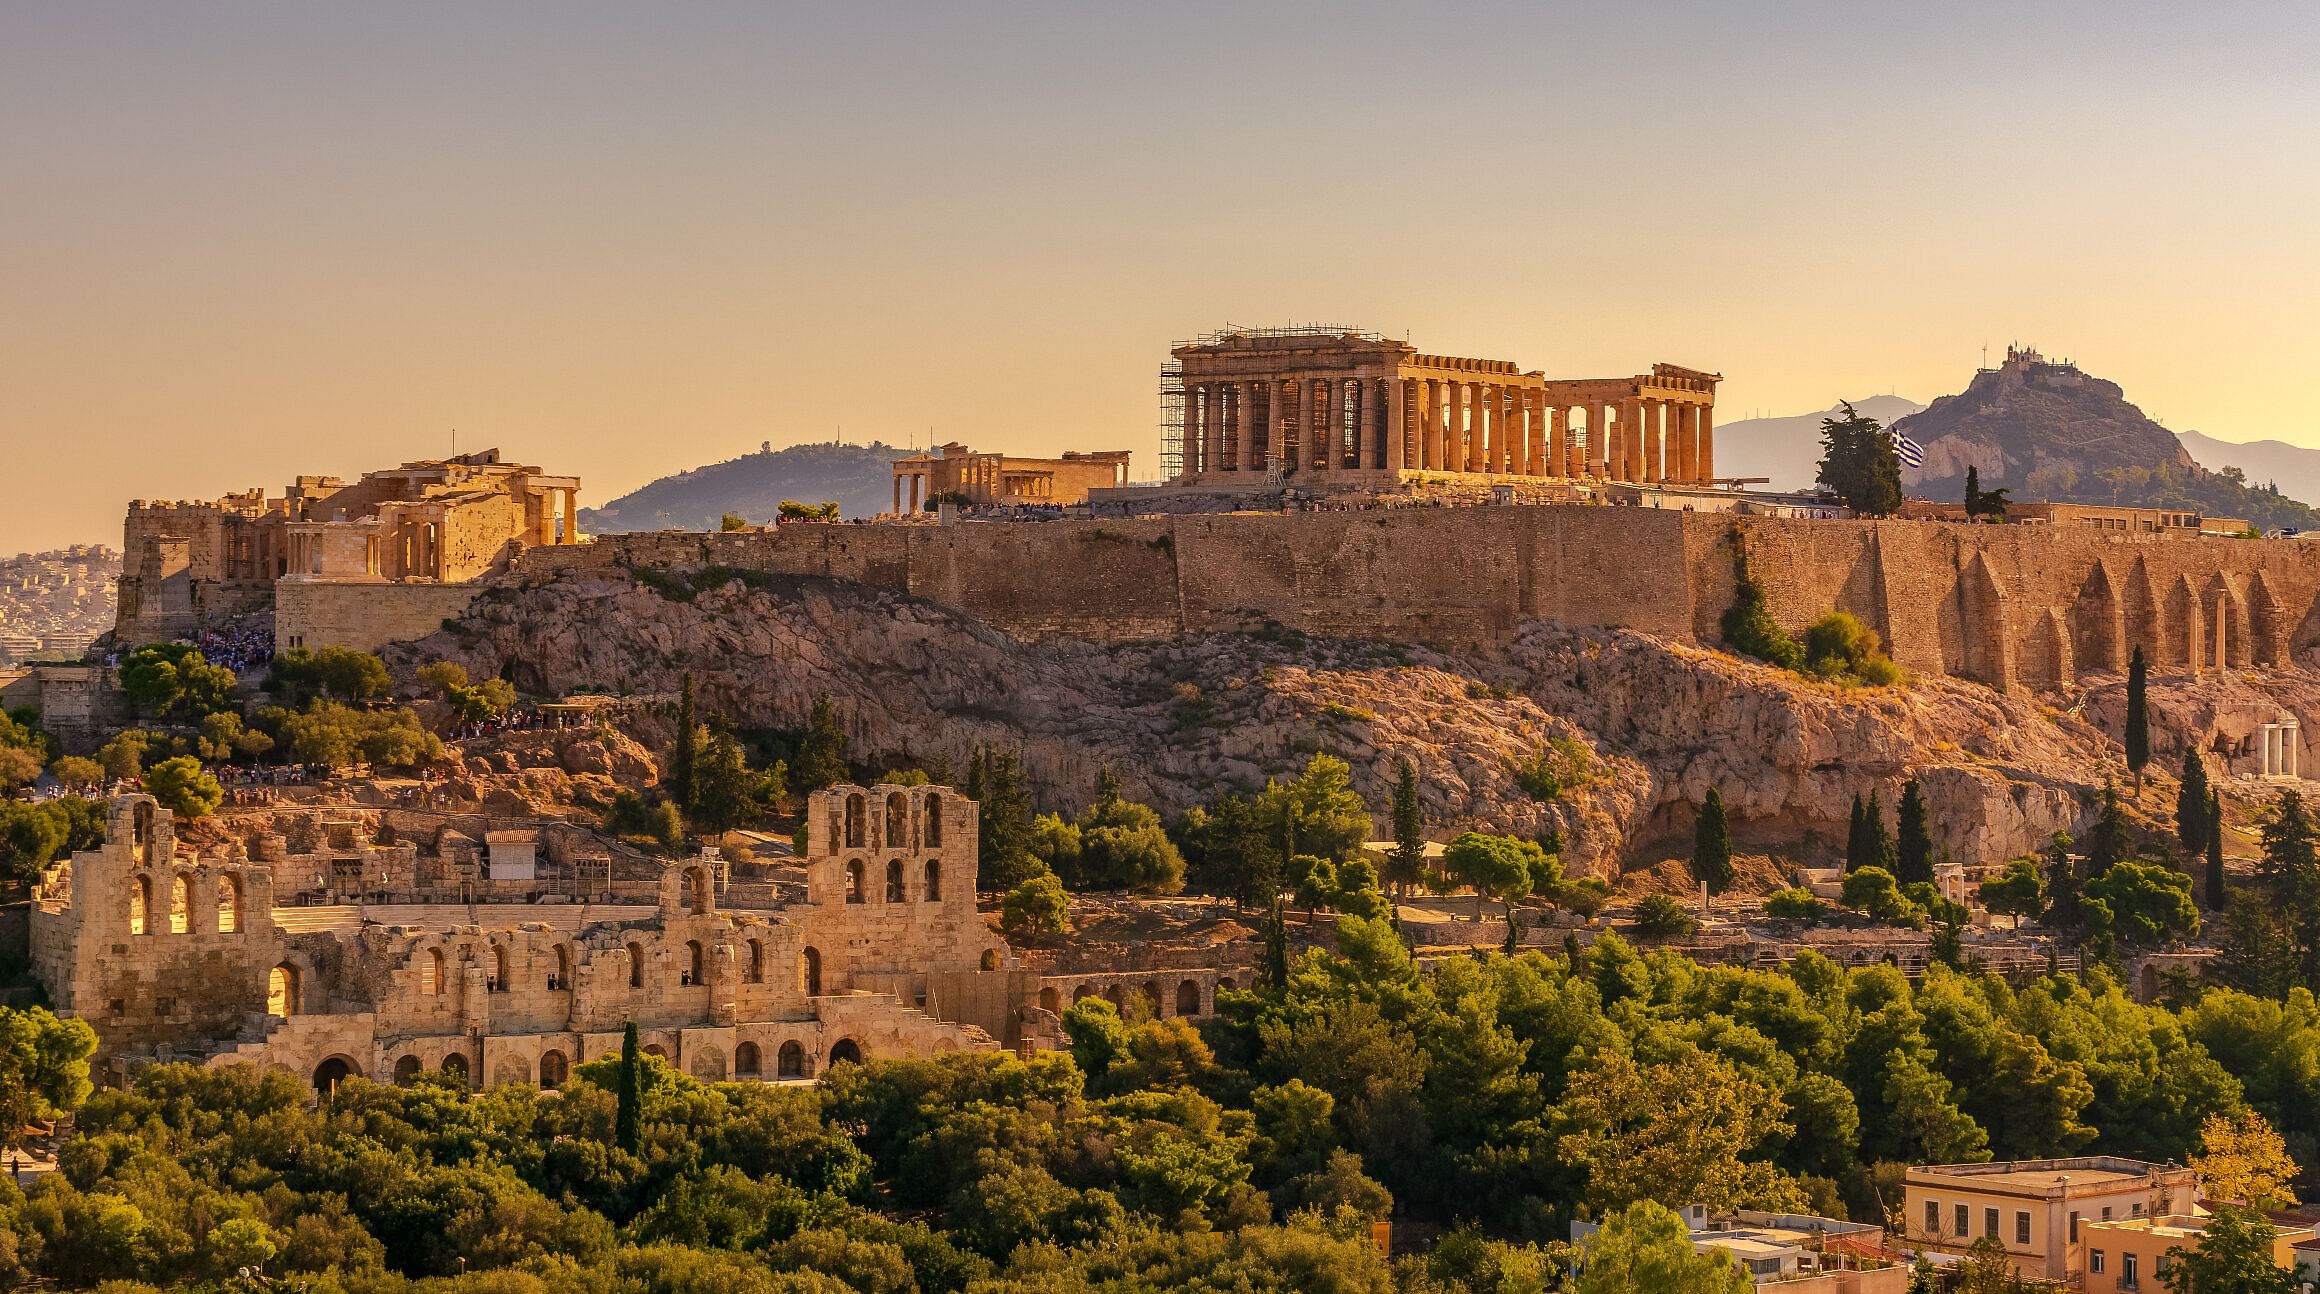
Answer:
(1276, 945)
(1712, 845)
(1914, 848)
(2138, 734)
(1882, 852)
(822, 754)
(2215, 879)
(2191, 803)
(686, 758)
(1857, 846)
(1973, 492)
(1406, 865)
(628, 1119)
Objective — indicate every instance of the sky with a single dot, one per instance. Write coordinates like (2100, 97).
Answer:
(241, 242)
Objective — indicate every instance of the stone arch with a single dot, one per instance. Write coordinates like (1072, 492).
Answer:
(756, 973)
(790, 1062)
(2046, 659)
(456, 1064)
(933, 832)
(2098, 624)
(1224, 985)
(747, 1061)
(180, 903)
(810, 972)
(333, 1071)
(282, 991)
(854, 881)
(895, 893)
(2267, 623)
(141, 833)
(1050, 1001)
(562, 979)
(990, 960)
(933, 891)
(229, 903)
(2147, 983)
(857, 813)
(1117, 996)
(555, 1069)
(141, 905)
(695, 971)
(1150, 997)
(708, 1064)
(1984, 626)
(1081, 992)
(511, 1069)
(2183, 618)
(897, 820)
(846, 1051)
(2228, 624)
(499, 969)
(700, 891)
(1188, 998)
(655, 1049)
(636, 965)
(406, 1069)
(2142, 614)
(431, 975)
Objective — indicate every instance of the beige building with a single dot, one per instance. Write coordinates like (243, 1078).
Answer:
(1792, 1252)
(2039, 1209)
(2132, 1254)
(2175, 522)
(1001, 479)
(1246, 408)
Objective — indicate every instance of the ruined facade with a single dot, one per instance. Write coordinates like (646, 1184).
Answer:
(1249, 409)
(431, 525)
(1002, 479)
(171, 954)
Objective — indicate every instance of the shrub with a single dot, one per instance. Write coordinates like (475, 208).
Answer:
(1661, 917)
(1839, 646)
(1564, 766)
(1873, 892)
(1038, 906)
(1748, 625)
(1795, 903)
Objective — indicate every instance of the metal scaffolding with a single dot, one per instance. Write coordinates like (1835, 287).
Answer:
(1173, 413)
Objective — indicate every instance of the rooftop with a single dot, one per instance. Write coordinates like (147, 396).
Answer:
(2043, 1176)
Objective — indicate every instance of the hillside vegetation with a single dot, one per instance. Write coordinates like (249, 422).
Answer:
(855, 477)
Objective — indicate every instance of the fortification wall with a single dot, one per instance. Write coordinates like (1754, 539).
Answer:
(2005, 604)
(363, 616)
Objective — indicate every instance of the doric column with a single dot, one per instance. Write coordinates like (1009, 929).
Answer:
(1437, 399)
(1494, 448)
(898, 494)
(1535, 434)
(1477, 426)
(1276, 453)
(1653, 413)
(1212, 418)
(1397, 423)
(1454, 429)
(1707, 442)
(1629, 443)
(1244, 438)
(1558, 440)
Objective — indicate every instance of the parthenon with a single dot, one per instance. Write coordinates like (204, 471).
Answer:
(1260, 405)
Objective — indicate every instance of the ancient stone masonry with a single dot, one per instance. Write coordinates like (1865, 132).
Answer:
(171, 955)
(435, 524)
(1001, 479)
(1250, 409)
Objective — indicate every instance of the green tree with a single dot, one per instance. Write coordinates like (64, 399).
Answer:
(2141, 903)
(2062, 881)
(1875, 893)
(731, 522)
(2243, 1160)
(821, 760)
(1658, 916)
(184, 787)
(1645, 1249)
(1859, 463)
(1712, 844)
(1794, 903)
(685, 755)
(2138, 731)
(2290, 871)
(1498, 867)
(1913, 844)
(1406, 864)
(1039, 906)
(2218, 885)
(727, 793)
(1860, 845)
(1239, 857)
(123, 755)
(1122, 846)
(2233, 1256)
(1276, 935)
(44, 1068)
(2191, 803)
(1319, 809)
(2112, 840)
(76, 772)
(2019, 891)
(628, 1118)
(1003, 828)
(1748, 626)
(174, 680)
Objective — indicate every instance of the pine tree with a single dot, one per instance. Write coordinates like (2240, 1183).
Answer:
(2217, 885)
(2291, 871)
(1406, 865)
(1712, 845)
(1860, 463)
(1003, 826)
(2191, 803)
(687, 755)
(628, 1118)
(2138, 734)
(1276, 945)
(2110, 842)
(1914, 847)
(821, 758)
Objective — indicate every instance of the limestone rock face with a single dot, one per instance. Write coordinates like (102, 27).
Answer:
(1654, 724)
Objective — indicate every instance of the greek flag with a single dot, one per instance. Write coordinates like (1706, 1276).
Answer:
(1912, 453)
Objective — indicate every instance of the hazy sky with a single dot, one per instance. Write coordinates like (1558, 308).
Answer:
(240, 242)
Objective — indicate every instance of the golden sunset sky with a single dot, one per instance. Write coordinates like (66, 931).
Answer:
(241, 242)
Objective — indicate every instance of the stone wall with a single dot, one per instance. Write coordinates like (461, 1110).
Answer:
(364, 616)
(2005, 604)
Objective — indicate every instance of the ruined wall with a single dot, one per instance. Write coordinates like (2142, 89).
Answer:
(364, 616)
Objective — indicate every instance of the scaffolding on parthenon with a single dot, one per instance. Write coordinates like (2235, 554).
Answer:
(1172, 408)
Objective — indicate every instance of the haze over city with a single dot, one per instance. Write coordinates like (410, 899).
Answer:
(630, 241)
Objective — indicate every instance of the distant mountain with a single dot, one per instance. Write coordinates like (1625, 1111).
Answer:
(1788, 450)
(2293, 468)
(2049, 430)
(857, 477)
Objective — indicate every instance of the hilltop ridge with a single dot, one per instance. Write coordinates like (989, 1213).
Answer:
(753, 485)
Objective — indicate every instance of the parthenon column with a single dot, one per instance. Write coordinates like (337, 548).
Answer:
(1397, 422)
(1454, 428)
(1276, 429)
(1630, 442)
(1437, 420)
(1212, 423)
(1535, 438)
(1478, 427)
(1244, 427)
(1679, 447)
(1558, 440)
(1707, 442)
(898, 494)
(1653, 413)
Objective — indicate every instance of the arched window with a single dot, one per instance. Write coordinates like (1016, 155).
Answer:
(746, 1063)
(554, 1069)
(636, 965)
(790, 1062)
(854, 881)
(1116, 996)
(846, 1051)
(894, 892)
(1050, 1000)
(456, 1064)
(431, 972)
(229, 904)
(897, 820)
(810, 972)
(561, 977)
(140, 903)
(282, 991)
(990, 959)
(856, 811)
(1224, 986)
(330, 1073)
(1188, 998)
(406, 1069)
(933, 830)
(757, 961)
(1083, 991)
(141, 832)
(933, 893)
(180, 905)
(693, 967)
(499, 969)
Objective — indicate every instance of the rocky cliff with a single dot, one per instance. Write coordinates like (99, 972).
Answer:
(1180, 719)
